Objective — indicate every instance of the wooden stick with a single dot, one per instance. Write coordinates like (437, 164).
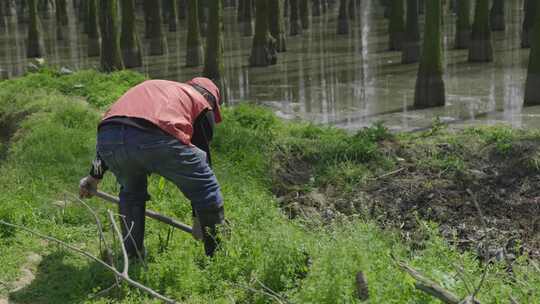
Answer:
(119, 235)
(430, 287)
(151, 214)
(101, 234)
(389, 173)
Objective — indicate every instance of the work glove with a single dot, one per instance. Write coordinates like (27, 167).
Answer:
(209, 219)
(87, 185)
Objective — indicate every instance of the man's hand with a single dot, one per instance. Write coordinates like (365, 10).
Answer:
(87, 184)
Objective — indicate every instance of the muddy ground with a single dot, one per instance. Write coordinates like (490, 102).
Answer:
(483, 195)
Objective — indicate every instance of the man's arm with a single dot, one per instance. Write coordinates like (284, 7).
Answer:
(203, 132)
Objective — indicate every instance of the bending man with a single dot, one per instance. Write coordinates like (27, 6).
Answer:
(162, 127)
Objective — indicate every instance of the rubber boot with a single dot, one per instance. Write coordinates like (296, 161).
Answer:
(209, 219)
(133, 228)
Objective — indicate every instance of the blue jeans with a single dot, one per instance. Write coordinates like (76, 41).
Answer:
(133, 154)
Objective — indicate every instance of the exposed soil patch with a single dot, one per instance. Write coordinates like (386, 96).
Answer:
(447, 183)
(27, 275)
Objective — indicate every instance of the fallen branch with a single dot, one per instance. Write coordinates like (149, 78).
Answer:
(484, 275)
(105, 291)
(124, 252)
(263, 292)
(535, 266)
(120, 275)
(102, 238)
(513, 301)
(461, 273)
(130, 236)
(428, 286)
(481, 217)
(271, 292)
(389, 173)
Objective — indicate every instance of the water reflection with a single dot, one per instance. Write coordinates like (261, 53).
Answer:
(350, 81)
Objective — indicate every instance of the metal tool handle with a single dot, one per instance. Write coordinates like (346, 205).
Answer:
(151, 214)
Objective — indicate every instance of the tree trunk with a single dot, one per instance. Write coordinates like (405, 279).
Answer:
(61, 19)
(21, 11)
(247, 19)
(532, 85)
(496, 16)
(35, 46)
(203, 16)
(352, 9)
(5, 9)
(411, 44)
(397, 25)
(44, 8)
(528, 22)
(240, 11)
(304, 13)
(173, 15)
(165, 10)
(480, 47)
(343, 18)
(194, 52)
(131, 46)
(452, 6)
(94, 37)
(111, 57)
(3, 15)
(324, 6)
(429, 83)
(158, 42)
(147, 4)
(84, 15)
(463, 24)
(387, 4)
(277, 25)
(213, 67)
(263, 52)
(182, 8)
(82, 10)
(316, 8)
(295, 27)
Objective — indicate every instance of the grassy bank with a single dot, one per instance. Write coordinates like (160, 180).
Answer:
(269, 171)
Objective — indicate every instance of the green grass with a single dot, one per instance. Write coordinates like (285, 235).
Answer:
(52, 148)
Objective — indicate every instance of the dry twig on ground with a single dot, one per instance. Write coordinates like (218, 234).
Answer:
(429, 286)
(120, 275)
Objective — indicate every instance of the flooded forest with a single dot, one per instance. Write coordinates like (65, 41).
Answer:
(342, 66)
(362, 151)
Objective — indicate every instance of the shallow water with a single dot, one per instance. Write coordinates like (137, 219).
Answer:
(349, 81)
